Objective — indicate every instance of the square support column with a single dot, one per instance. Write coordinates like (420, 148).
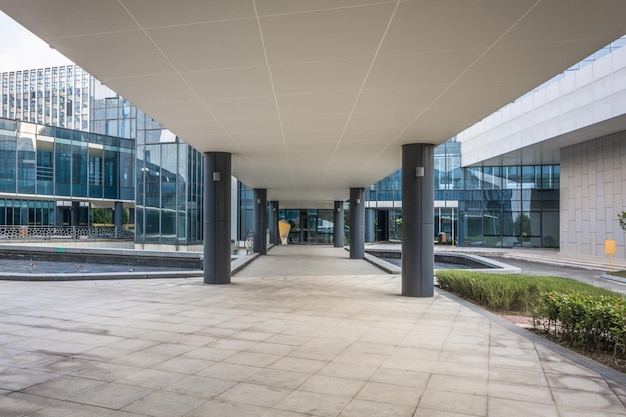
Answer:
(216, 217)
(418, 229)
(338, 222)
(75, 214)
(369, 225)
(118, 212)
(274, 233)
(357, 223)
(260, 220)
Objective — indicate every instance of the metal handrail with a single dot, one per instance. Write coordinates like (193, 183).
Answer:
(65, 232)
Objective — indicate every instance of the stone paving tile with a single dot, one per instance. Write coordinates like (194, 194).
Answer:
(64, 387)
(520, 376)
(455, 402)
(298, 365)
(278, 378)
(253, 394)
(15, 379)
(220, 407)
(16, 404)
(512, 391)
(70, 409)
(401, 377)
(459, 384)
(165, 404)
(517, 408)
(361, 408)
(201, 386)
(210, 354)
(604, 402)
(390, 394)
(252, 359)
(111, 395)
(183, 365)
(271, 348)
(229, 371)
(311, 403)
(107, 371)
(564, 412)
(343, 387)
(143, 359)
(151, 378)
(327, 345)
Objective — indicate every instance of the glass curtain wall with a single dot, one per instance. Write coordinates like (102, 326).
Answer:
(54, 162)
(484, 206)
(309, 226)
(169, 196)
(511, 206)
(56, 96)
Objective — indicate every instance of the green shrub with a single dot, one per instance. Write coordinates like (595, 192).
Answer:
(509, 293)
(580, 314)
(590, 322)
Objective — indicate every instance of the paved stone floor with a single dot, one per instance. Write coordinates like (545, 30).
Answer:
(335, 339)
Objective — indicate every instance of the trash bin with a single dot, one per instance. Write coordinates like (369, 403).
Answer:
(441, 237)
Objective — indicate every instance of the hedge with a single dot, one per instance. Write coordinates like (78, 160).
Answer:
(580, 314)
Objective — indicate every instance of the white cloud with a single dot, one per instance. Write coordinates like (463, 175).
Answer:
(20, 49)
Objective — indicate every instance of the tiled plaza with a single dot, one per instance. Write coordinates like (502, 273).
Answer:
(304, 331)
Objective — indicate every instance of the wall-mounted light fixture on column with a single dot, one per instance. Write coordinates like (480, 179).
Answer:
(258, 201)
(419, 171)
(217, 176)
(358, 201)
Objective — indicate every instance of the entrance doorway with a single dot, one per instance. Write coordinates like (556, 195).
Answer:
(309, 226)
(446, 225)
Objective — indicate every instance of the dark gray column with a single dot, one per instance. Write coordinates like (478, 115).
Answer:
(418, 202)
(75, 214)
(274, 234)
(357, 223)
(369, 225)
(58, 216)
(117, 214)
(338, 221)
(216, 217)
(383, 225)
(260, 220)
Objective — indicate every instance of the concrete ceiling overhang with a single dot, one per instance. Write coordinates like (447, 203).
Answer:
(315, 97)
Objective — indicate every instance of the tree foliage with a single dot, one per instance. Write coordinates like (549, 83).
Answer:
(622, 220)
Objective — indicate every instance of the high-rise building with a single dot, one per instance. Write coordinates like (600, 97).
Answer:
(70, 144)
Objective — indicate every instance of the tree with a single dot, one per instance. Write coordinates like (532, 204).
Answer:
(521, 226)
(622, 220)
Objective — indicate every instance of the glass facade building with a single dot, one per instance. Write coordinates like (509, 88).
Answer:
(55, 96)
(501, 206)
(41, 164)
(66, 137)
(169, 197)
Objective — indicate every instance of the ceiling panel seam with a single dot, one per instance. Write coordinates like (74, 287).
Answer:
(356, 100)
(453, 82)
(269, 74)
(208, 110)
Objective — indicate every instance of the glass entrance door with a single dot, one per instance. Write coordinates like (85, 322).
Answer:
(309, 226)
(308, 219)
(446, 225)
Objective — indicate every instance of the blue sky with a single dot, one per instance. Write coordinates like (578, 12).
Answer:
(20, 49)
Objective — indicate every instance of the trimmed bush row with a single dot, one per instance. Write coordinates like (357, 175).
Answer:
(590, 322)
(580, 314)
